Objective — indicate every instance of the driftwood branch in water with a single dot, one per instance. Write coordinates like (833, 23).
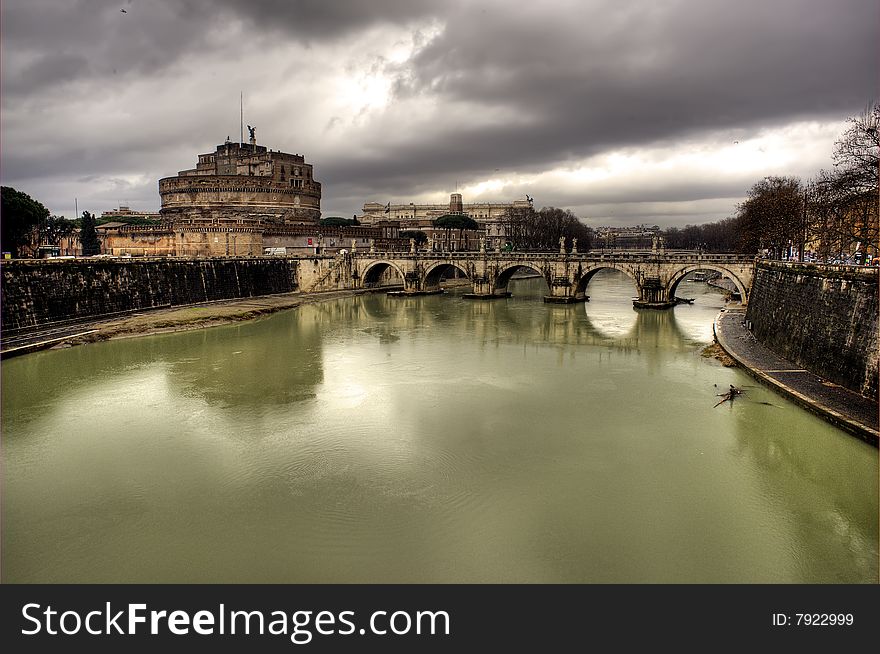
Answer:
(729, 395)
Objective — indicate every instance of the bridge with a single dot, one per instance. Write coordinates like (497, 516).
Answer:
(655, 274)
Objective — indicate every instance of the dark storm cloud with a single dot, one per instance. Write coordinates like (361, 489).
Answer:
(612, 74)
(588, 77)
(53, 44)
(519, 88)
(314, 20)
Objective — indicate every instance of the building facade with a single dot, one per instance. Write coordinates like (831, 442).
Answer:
(125, 214)
(640, 237)
(420, 217)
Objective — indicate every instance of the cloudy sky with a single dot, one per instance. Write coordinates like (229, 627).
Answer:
(625, 111)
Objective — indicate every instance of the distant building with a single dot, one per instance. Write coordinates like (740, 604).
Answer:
(125, 215)
(308, 239)
(420, 217)
(640, 237)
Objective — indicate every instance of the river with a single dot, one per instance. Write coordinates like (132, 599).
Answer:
(430, 439)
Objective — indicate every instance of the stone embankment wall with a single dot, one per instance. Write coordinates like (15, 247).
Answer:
(42, 292)
(823, 318)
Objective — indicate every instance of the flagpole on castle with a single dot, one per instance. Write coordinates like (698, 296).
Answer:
(241, 117)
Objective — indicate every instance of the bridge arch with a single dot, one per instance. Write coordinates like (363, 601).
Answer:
(435, 271)
(679, 275)
(507, 271)
(374, 271)
(581, 288)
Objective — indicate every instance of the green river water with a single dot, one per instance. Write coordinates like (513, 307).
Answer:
(430, 439)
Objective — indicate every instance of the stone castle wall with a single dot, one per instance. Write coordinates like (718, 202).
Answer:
(139, 241)
(44, 291)
(823, 318)
(258, 197)
(218, 242)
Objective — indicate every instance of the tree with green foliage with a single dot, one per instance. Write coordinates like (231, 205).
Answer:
(20, 215)
(458, 221)
(55, 228)
(88, 236)
(420, 237)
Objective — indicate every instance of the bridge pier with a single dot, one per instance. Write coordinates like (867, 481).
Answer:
(414, 285)
(484, 289)
(653, 294)
(563, 291)
(566, 299)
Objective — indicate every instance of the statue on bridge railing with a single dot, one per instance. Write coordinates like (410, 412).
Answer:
(574, 245)
(561, 245)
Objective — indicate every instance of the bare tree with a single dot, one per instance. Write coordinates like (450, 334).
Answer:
(772, 217)
(517, 224)
(527, 229)
(720, 236)
(857, 152)
(854, 185)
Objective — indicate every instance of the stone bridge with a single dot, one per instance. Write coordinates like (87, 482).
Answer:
(656, 273)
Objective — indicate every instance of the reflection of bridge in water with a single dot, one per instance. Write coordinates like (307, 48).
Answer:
(656, 274)
(491, 323)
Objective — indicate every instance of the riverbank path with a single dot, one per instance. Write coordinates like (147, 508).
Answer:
(844, 408)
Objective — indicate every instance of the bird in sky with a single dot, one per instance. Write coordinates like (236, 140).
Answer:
(123, 11)
(528, 197)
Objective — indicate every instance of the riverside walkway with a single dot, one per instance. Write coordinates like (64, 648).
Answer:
(842, 407)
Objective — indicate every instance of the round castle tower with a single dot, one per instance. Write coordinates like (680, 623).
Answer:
(242, 184)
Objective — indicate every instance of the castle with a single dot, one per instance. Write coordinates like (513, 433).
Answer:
(242, 184)
(240, 200)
